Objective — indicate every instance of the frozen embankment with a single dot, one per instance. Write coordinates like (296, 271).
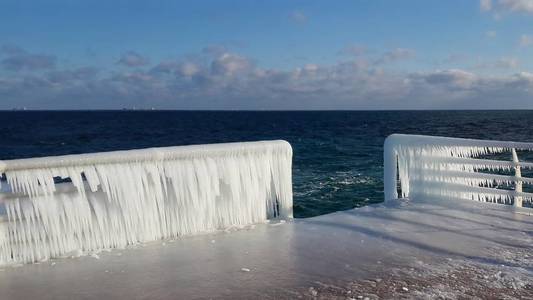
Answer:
(125, 210)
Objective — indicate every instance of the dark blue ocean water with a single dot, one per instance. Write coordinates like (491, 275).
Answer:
(337, 154)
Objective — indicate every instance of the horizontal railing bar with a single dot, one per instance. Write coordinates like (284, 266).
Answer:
(476, 175)
(474, 162)
(138, 155)
(460, 188)
(423, 140)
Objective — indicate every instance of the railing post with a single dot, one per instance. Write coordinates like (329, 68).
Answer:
(390, 167)
(518, 183)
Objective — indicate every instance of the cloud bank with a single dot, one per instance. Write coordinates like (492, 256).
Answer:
(223, 79)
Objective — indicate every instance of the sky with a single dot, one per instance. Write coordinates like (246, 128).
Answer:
(267, 55)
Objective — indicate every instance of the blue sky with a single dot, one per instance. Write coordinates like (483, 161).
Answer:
(359, 54)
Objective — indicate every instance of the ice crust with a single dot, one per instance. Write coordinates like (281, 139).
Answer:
(121, 198)
(452, 167)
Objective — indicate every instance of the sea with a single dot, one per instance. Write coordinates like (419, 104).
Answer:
(338, 155)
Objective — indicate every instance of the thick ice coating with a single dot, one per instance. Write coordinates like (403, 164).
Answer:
(119, 198)
(452, 167)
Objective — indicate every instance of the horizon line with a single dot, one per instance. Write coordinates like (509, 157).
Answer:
(255, 110)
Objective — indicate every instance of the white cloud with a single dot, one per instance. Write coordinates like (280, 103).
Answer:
(526, 40)
(525, 6)
(230, 64)
(525, 78)
(354, 50)
(78, 74)
(501, 63)
(523, 81)
(514, 6)
(395, 55)
(166, 67)
(454, 77)
(454, 58)
(215, 49)
(132, 59)
(17, 59)
(491, 34)
(189, 69)
(185, 69)
(232, 81)
(507, 63)
(298, 17)
(485, 5)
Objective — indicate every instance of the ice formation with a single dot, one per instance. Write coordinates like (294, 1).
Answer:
(454, 167)
(115, 199)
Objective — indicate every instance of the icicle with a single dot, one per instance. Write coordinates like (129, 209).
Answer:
(452, 167)
(121, 198)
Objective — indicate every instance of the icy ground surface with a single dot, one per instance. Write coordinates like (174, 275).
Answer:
(428, 249)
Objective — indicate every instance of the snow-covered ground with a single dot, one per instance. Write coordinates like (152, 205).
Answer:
(436, 248)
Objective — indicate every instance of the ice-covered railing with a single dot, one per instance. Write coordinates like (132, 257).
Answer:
(454, 167)
(115, 199)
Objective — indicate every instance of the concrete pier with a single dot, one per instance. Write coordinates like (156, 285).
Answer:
(398, 249)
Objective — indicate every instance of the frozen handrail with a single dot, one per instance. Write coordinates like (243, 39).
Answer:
(115, 199)
(139, 155)
(450, 167)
